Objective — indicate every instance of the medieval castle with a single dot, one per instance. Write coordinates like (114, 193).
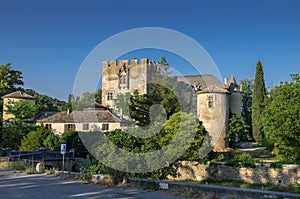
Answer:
(213, 98)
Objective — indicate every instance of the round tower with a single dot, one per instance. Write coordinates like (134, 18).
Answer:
(235, 99)
(213, 111)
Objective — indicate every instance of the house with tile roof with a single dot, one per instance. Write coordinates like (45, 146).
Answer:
(14, 97)
(88, 120)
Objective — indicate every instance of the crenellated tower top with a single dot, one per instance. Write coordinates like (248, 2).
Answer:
(121, 63)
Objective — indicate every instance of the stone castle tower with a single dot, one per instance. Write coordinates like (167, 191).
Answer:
(125, 77)
(214, 99)
(213, 106)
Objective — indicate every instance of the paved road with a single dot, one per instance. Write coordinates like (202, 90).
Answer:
(17, 185)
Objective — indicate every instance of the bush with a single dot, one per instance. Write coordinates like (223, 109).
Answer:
(13, 165)
(276, 165)
(242, 160)
(297, 187)
(30, 170)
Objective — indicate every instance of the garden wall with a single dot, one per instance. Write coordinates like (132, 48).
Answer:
(262, 173)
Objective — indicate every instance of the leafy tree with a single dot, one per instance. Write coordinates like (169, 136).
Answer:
(238, 128)
(281, 121)
(126, 140)
(247, 91)
(164, 90)
(10, 80)
(139, 108)
(12, 138)
(98, 96)
(258, 103)
(185, 123)
(68, 106)
(87, 98)
(52, 142)
(21, 124)
(295, 77)
(35, 139)
(73, 141)
(44, 102)
(122, 104)
(24, 112)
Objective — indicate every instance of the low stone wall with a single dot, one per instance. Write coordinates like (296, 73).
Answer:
(208, 191)
(101, 179)
(74, 175)
(288, 175)
(189, 189)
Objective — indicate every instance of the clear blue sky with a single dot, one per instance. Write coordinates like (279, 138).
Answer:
(48, 40)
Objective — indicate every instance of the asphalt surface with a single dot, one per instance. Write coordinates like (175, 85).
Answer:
(17, 185)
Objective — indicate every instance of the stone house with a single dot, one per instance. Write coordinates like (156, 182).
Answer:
(93, 118)
(213, 99)
(14, 97)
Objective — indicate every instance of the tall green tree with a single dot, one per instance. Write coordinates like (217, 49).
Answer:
(238, 128)
(22, 123)
(10, 80)
(281, 121)
(122, 104)
(164, 89)
(139, 108)
(258, 103)
(98, 96)
(247, 91)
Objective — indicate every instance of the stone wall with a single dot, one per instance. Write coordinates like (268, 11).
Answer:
(288, 175)
(207, 191)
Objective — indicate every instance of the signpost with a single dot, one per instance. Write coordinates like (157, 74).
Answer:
(63, 150)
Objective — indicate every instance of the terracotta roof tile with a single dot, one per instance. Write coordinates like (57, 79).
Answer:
(204, 80)
(18, 94)
(82, 116)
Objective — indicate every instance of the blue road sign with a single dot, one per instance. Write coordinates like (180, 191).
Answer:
(63, 148)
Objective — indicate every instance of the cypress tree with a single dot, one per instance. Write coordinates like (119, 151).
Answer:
(258, 103)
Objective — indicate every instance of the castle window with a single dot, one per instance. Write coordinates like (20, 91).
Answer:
(123, 79)
(210, 101)
(85, 127)
(110, 96)
(105, 127)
